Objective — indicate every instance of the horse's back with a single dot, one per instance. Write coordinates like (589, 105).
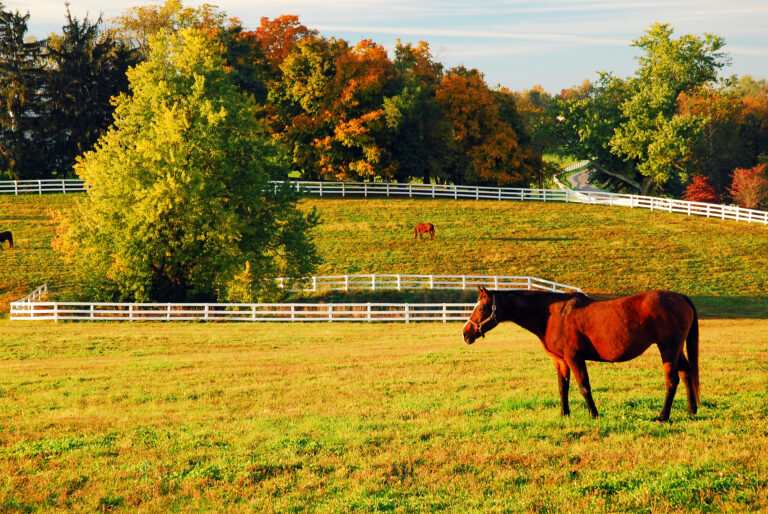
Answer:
(623, 328)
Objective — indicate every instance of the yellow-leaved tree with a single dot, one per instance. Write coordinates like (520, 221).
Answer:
(182, 202)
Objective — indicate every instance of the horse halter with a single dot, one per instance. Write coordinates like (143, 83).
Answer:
(479, 326)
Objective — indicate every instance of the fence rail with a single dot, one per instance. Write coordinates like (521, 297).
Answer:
(30, 308)
(456, 192)
(257, 312)
(39, 187)
(400, 282)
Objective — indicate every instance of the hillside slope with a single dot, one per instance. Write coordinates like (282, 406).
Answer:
(603, 250)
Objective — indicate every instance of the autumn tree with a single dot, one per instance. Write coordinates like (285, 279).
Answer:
(137, 24)
(180, 205)
(484, 147)
(750, 187)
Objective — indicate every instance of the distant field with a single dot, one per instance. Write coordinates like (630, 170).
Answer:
(341, 417)
(603, 250)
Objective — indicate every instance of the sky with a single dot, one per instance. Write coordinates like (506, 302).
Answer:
(516, 44)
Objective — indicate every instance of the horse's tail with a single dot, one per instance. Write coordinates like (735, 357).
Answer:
(10, 239)
(692, 348)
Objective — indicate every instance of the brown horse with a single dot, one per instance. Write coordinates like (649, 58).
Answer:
(575, 328)
(424, 228)
(6, 236)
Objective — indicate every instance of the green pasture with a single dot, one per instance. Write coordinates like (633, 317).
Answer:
(370, 417)
(603, 250)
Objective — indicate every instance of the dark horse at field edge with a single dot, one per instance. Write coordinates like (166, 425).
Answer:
(575, 328)
(424, 228)
(6, 236)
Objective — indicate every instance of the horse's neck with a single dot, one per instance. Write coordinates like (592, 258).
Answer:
(529, 310)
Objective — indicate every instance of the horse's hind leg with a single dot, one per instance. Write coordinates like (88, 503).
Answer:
(670, 356)
(579, 369)
(563, 383)
(683, 368)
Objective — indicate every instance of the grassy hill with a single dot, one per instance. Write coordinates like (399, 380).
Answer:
(603, 250)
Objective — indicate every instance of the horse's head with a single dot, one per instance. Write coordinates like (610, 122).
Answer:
(483, 317)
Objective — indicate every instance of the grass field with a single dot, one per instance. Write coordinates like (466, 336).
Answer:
(603, 250)
(338, 417)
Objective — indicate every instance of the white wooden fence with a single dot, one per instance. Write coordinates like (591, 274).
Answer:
(575, 166)
(400, 282)
(366, 189)
(255, 312)
(39, 187)
(31, 308)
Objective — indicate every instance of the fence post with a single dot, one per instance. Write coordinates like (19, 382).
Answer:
(293, 312)
(530, 286)
(477, 193)
(373, 282)
(455, 192)
(463, 282)
(387, 189)
(445, 314)
(431, 282)
(346, 282)
(321, 188)
(253, 312)
(407, 313)
(495, 282)
(368, 311)
(398, 283)
(343, 190)
(55, 312)
(40, 186)
(63, 187)
(365, 189)
(91, 317)
(205, 317)
(314, 284)
(433, 191)
(168, 313)
(330, 312)
(410, 190)
(130, 312)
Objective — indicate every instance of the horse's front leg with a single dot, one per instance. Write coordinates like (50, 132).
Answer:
(563, 383)
(579, 369)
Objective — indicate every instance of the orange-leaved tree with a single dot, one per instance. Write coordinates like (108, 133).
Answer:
(485, 147)
(750, 187)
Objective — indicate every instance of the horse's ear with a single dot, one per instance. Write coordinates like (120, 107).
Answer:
(483, 291)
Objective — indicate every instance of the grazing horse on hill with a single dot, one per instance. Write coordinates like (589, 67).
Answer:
(6, 236)
(575, 328)
(424, 228)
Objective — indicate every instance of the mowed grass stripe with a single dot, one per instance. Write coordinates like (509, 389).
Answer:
(374, 417)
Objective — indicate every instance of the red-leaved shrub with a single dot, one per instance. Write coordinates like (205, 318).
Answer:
(700, 190)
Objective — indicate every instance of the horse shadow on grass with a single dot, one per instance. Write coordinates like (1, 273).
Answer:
(535, 239)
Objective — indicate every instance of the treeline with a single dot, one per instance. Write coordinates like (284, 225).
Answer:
(673, 128)
(341, 111)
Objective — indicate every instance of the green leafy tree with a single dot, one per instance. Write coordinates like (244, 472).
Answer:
(651, 131)
(21, 79)
(180, 204)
